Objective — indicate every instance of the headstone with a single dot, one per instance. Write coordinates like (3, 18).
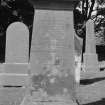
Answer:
(52, 53)
(90, 56)
(49, 26)
(16, 65)
(17, 43)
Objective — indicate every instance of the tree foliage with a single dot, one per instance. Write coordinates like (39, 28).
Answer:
(15, 10)
(90, 9)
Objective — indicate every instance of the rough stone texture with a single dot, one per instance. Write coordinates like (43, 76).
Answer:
(29, 102)
(89, 75)
(90, 38)
(18, 68)
(52, 53)
(17, 43)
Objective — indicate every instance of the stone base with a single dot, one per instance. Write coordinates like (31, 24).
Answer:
(91, 62)
(8, 79)
(18, 68)
(14, 74)
(29, 100)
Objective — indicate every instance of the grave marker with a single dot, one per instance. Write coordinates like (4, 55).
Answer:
(90, 56)
(17, 43)
(51, 25)
(53, 61)
(16, 61)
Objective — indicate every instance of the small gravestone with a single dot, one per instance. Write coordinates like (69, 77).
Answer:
(90, 56)
(17, 43)
(52, 53)
(16, 60)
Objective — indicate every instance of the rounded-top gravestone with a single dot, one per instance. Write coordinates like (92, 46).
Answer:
(17, 43)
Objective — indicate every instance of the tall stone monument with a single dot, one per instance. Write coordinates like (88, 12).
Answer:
(90, 56)
(52, 55)
(16, 61)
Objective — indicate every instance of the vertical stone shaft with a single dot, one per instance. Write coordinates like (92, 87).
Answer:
(90, 38)
(90, 56)
(53, 36)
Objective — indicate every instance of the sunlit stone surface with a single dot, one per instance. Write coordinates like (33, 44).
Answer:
(15, 68)
(17, 43)
(52, 53)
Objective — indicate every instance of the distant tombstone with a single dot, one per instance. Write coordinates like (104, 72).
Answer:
(90, 56)
(52, 51)
(17, 43)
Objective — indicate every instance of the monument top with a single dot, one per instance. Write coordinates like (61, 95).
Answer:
(54, 4)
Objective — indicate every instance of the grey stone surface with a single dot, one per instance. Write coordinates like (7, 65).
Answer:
(13, 79)
(18, 68)
(52, 25)
(52, 53)
(17, 43)
(11, 96)
(15, 68)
